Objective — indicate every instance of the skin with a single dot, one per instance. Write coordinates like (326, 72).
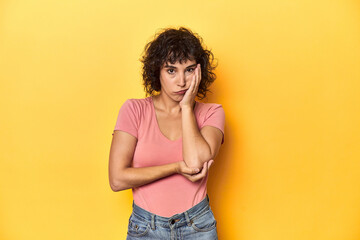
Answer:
(200, 147)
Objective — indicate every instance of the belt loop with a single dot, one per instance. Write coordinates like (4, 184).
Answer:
(153, 221)
(187, 218)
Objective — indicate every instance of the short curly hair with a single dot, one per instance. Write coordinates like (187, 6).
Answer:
(176, 45)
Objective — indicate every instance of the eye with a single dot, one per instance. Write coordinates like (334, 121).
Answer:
(190, 69)
(170, 71)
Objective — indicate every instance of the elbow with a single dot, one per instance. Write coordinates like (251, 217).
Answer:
(120, 181)
(198, 159)
(114, 187)
(117, 185)
(197, 162)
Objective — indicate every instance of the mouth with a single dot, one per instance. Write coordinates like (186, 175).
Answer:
(181, 92)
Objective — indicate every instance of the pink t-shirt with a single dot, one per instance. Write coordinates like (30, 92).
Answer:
(173, 194)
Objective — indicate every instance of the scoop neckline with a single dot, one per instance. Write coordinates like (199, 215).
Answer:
(157, 123)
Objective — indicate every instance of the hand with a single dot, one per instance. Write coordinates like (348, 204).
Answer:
(192, 175)
(190, 94)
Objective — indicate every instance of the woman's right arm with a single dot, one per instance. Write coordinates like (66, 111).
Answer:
(123, 176)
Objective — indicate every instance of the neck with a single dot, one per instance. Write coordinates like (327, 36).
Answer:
(166, 104)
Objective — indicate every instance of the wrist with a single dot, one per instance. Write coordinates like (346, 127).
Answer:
(187, 108)
(176, 167)
(190, 105)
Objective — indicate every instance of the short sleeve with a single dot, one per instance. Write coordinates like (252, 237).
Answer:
(128, 120)
(215, 117)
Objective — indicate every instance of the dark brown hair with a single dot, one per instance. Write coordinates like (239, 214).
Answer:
(172, 45)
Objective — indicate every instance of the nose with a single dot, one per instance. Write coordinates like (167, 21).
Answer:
(182, 80)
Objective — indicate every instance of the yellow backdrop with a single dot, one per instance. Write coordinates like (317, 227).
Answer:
(288, 79)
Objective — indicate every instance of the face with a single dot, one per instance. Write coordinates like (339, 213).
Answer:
(176, 77)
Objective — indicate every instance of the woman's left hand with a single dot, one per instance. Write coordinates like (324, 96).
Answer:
(189, 97)
(200, 175)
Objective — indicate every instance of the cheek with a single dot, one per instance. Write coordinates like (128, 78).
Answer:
(165, 81)
(190, 75)
(164, 75)
(189, 78)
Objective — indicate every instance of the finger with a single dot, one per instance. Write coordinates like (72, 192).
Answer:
(204, 169)
(196, 79)
(190, 170)
(201, 174)
(190, 90)
(199, 74)
(191, 178)
(199, 71)
(193, 82)
(210, 163)
(194, 170)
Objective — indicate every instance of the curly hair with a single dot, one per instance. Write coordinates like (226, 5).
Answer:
(172, 45)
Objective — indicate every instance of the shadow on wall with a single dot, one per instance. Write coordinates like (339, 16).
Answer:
(219, 175)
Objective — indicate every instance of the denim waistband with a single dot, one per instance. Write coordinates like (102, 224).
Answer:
(178, 219)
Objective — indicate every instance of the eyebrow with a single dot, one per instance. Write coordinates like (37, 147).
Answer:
(169, 66)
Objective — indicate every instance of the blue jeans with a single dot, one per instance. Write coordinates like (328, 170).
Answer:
(196, 223)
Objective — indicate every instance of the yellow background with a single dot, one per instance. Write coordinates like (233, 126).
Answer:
(288, 79)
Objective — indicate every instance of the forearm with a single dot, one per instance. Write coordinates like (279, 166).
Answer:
(135, 177)
(196, 150)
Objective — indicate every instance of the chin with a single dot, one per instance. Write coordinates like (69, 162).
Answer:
(180, 96)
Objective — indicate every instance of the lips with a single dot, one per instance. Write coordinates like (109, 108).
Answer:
(181, 92)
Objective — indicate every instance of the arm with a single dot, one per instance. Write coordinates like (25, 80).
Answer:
(198, 146)
(122, 176)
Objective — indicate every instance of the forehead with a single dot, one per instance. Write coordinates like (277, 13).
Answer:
(183, 64)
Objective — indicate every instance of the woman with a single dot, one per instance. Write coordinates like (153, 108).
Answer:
(164, 144)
